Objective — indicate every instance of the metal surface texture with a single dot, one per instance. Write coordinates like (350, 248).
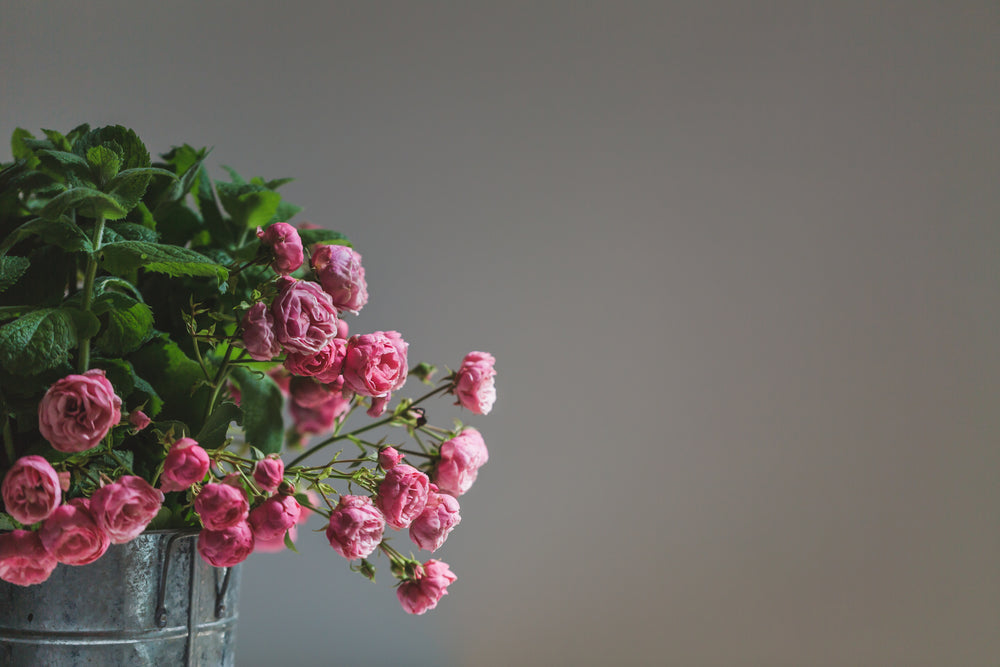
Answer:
(153, 601)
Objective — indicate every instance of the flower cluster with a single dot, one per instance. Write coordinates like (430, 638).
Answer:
(121, 380)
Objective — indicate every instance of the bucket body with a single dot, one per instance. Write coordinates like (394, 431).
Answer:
(153, 601)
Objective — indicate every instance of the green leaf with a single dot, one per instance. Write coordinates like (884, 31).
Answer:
(311, 236)
(123, 257)
(18, 148)
(250, 206)
(127, 323)
(11, 269)
(42, 339)
(134, 153)
(59, 232)
(105, 161)
(57, 139)
(89, 202)
(221, 232)
(288, 542)
(128, 231)
(7, 522)
(213, 433)
(285, 212)
(261, 402)
(237, 179)
(178, 379)
(128, 385)
(44, 283)
(69, 165)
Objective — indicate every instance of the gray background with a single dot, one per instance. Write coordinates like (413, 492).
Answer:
(739, 265)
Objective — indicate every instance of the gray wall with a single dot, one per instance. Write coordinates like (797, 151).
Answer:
(739, 265)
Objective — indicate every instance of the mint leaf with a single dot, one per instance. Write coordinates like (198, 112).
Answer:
(105, 161)
(70, 166)
(57, 139)
(250, 206)
(261, 402)
(41, 339)
(178, 379)
(134, 153)
(123, 257)
(11, 269)
(89, 202)
(311, 236)
(60, 232)
(213, 433)
(127, 323)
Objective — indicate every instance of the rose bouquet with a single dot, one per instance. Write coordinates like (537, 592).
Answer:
(155, 329)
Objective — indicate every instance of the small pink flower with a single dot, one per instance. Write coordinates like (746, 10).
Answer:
(342, 276)
(64, 480)
(461, 459)
(31, 489)
(389, 458)
(324, 365)
(125, 507)
(72, 535)
(375, 363)
(228, 546)
(402, 495)
(274, 517)
(78, 411)
(269, 472)
(440, 516)
(186, 464)
(355, 528)
(305, 319)
(23, 559)
(378, 406)
(139, 420)
(285, 243)
(423, 593)
(221, 505)
(258, 333)
(474, 384)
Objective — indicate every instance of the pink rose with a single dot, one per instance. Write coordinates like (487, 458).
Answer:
(228, 546)
(139, 420)
(343, 331)
(269, 472)
(474, 384)
(23, 559)
(285, 244)
(274, 517)
(355, 528)
(221, 505)
(186, 464)
(440, 516)
(389, 458)
(342, 276)
(305, 319)
(125, 507)
(276, 544)
(316, 407)
(375, 363)
(402, 495)
(258, 333)
(78, 411)
(421, 594)
(72, 535)
(461, 459)
(31, 489)
(324, 365)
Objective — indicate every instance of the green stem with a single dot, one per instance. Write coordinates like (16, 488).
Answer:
(8, 440)
(410, 452)
(88, 290)
(219, 380)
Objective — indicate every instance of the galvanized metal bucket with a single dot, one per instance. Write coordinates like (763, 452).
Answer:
(153, 601)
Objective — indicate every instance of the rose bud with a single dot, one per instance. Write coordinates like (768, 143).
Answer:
(125, 507)
(340, 272)
(474, 383)
(72, 535)
(375, 363)
(23, 559)
(378, 406)
(355, 528)
(186, 464)
(285, 244)
(258, 333)
(324, 365)
(402, 495)
(388, 458)
(461, 458)
(31, 489)
(274, 517)
(269, 473)
(305, 319)
(440, 516)
(228, 546)
(421, 594)
(78, 411)
(139, 420)
(221, 505)
(64, 480)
